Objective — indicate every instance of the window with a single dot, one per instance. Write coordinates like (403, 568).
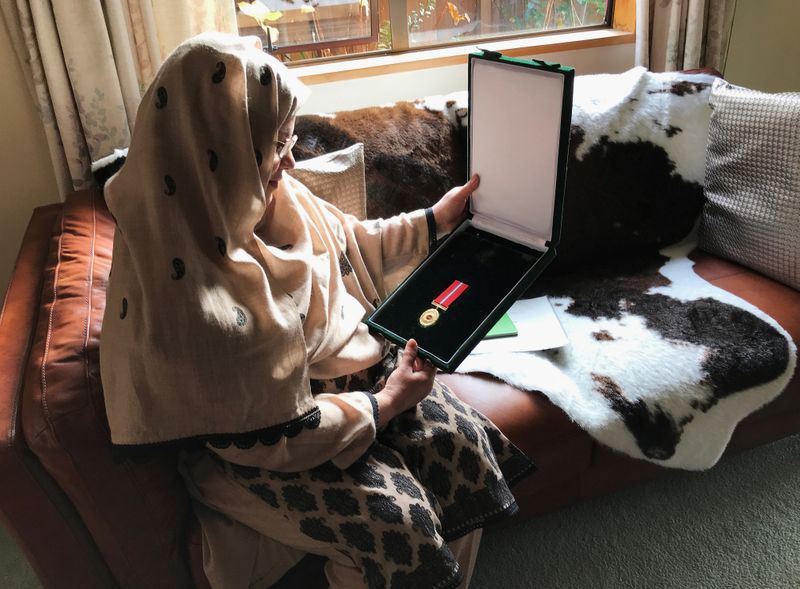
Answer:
(311, 29)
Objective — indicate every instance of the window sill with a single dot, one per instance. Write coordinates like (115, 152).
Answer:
(429, 58)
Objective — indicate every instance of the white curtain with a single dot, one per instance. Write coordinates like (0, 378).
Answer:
(88, 62)
(683, 34)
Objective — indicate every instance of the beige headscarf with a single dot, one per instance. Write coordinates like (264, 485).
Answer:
(215, 319)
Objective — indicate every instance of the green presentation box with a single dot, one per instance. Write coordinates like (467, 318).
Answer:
(519, 122)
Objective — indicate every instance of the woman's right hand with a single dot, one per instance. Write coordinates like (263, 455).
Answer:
(409, 384)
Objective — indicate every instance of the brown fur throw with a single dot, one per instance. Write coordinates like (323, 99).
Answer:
(412, 155)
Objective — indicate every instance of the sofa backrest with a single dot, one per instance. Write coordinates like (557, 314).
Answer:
(635, 174)
(136, 513)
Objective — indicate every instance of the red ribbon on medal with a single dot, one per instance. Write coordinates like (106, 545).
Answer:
(450, 294)
(443, 302)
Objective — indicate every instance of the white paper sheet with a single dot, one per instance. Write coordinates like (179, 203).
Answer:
(538, 327)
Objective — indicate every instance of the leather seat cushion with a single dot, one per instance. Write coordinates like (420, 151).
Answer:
(135, 512)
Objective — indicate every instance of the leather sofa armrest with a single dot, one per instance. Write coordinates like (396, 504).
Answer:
(18, 318)
(32, 506)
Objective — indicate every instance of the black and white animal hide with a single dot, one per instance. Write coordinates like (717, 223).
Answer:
(636, 163)
(660, 364)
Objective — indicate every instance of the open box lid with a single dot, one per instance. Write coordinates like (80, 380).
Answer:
(519, 122)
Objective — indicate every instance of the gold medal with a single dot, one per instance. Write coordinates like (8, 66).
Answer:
(442, 302)
(429, 317)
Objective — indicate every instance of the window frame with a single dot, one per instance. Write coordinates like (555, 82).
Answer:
(375, 26)
(398, 20)
(622, 30)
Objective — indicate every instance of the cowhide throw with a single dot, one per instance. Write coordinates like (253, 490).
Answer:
(412, 155)
(660, 365)
(636, 164)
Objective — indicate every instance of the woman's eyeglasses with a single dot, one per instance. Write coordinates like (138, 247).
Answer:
(284, 147)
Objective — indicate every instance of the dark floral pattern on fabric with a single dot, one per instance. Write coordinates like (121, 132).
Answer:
(433, 411)
(372, 574)
(170, 186)
(268, 495)
(298, 498)
(314, 527)
(495, 439)
(441, 571)
(327, 473)
(162, 97)
(466, 428)
(180, 269)
(266, 76)
(469, 464)
(219, 72)
(384, 508)
(366, 475)
(501, 466)
(438, 479)
(246, 472)
(396, 547)
(283, 476)
(443, 442)
(341, 502)
(435, 473)
(385, 455)
(422, 520)
(358, 536)
(222, 248)
(414, 430)
(345, 267)
(405, 485)
(451, 400)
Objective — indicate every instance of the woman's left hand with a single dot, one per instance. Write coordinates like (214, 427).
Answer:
(452, 207)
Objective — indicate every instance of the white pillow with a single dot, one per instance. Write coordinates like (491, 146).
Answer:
(337, 177)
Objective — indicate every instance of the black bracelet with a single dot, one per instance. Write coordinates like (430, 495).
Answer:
(375, 413)
(431, 229)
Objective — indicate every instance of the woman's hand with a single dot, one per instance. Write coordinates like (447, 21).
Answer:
(452, 207)
(409, 384)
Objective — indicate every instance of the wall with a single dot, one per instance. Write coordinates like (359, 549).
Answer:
(764, 52)
(25, 167)
(389, 88)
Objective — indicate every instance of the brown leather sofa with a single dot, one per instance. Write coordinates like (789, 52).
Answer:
(84, 520)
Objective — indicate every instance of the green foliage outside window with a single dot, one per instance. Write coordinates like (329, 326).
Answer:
(326, 28)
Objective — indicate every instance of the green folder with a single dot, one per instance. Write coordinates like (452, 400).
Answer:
(503, 328)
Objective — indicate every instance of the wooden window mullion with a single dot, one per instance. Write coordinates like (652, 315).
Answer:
(398, 15)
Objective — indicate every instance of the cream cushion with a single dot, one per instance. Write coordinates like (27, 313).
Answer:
(752, 213)
(337, 177)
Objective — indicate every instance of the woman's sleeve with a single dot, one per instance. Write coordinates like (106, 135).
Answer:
(390, 248)
(348, 423)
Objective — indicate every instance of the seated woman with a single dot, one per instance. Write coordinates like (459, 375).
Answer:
(233, 330)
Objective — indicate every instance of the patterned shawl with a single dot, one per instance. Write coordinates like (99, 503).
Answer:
(216, 316)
